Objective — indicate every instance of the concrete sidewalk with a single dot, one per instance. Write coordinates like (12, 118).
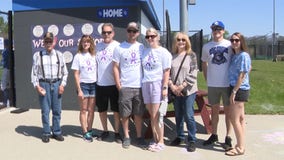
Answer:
(20, 140)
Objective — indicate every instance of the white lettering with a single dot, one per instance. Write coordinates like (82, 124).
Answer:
(38, 43)
(112, 13)
(66, 43)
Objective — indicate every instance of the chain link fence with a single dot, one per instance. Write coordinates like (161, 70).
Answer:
(264, 51)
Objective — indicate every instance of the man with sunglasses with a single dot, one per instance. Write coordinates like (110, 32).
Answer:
(128, 78)
(49, 77)
(106, 89)
(216, 56)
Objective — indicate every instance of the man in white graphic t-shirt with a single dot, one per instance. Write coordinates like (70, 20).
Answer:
(106, 89)
(216, 56)
(128, 77)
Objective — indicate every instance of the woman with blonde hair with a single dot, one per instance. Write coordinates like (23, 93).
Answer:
(85, 74)
(184, 69)
(156, 64)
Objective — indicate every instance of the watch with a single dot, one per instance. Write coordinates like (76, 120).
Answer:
(234, 91)
(165, 87)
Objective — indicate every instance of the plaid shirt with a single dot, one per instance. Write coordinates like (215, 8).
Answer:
(50, 67)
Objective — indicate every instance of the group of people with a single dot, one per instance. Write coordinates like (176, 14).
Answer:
(135, 78)
(226, 66)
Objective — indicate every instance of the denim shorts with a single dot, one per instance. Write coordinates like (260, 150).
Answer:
(88, 89)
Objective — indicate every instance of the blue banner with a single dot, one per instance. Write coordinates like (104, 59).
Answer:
(112, 13)
(66, 37)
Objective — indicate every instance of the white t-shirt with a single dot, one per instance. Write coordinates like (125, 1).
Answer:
(129, 58)
(154, 62)
(218, 56)
(86, 64)
(104, 56)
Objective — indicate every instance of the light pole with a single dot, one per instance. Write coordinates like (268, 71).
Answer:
(163, 17)
(273, 33)
(183, 16)
(183, 6)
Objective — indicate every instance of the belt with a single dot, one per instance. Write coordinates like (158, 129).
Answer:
(49, 80)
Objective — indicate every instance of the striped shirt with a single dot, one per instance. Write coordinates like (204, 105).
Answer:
(54, 67)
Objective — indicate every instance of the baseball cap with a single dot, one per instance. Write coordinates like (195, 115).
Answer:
(133, 25)
(48, 36)
(217, 24)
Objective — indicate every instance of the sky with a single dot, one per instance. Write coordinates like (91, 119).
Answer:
(250, 17)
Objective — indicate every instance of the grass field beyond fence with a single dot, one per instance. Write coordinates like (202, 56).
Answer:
(267, 88)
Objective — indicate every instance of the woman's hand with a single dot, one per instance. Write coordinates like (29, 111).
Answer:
(176, 90)
(80, 94)
(232, 98)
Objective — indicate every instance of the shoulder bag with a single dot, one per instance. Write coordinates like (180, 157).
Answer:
(171, 95)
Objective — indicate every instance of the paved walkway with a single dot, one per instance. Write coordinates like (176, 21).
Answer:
(20, 140)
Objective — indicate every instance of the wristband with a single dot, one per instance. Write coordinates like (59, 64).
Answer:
(234, 91)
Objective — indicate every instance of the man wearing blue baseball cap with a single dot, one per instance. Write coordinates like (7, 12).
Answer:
(215, 58)
(218, 24)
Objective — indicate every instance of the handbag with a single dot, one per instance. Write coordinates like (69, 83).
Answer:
(171, 95)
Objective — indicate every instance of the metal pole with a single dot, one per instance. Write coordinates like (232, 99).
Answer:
(183, 16)
(163, 17)
(273, 33)
(12, 62)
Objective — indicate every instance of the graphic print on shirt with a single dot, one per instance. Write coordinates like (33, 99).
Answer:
(150, 62)
(132, 59)
(89, 65)
(218, 54)
(105, 56)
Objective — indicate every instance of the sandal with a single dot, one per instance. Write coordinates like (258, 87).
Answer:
(227, 147)
(235, 152)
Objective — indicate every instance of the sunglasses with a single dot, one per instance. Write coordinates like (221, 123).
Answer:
(150, 36)
(217, 29)
(132, 31)
(48, 42)
(106, 32)
(181, 39)
(235, 40)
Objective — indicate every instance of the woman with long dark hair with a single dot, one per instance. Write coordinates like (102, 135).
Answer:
(239, 69)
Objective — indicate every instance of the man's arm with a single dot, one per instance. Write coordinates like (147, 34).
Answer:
(116, 74)
(204, 70)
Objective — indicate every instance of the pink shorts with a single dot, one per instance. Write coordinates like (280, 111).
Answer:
(152, 92)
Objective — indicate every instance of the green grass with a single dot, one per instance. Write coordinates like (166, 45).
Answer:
(267, 88)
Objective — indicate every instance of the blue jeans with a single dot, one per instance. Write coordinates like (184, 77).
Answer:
(51, 100)
(184, 112)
